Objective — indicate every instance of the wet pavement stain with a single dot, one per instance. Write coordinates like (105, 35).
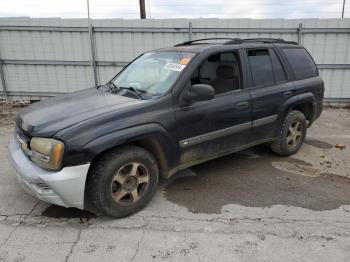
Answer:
(299, 169)
(238, 179)
(318, 143)
(54, 211)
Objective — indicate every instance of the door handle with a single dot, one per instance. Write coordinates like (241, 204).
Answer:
(287, 93)
(242, 105)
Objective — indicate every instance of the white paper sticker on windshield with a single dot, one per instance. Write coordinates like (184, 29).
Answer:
(174, 66)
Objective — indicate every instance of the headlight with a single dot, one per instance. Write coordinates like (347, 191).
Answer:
(47, 152)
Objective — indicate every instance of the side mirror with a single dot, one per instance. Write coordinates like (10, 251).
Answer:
(199, 92)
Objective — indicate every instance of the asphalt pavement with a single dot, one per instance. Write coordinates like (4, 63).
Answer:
(248, 206)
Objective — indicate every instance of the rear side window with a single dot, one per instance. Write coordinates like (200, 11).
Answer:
(261, 66)
(301, 63)
(280, 74)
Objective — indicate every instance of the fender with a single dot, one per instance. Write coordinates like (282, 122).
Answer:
(290, 103)
(135, 134)
(309, 97)
(285, 108)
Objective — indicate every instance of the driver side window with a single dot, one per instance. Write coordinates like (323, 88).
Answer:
(221, 71)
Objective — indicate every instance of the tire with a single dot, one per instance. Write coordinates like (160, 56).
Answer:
(116, 175)
(284, 146)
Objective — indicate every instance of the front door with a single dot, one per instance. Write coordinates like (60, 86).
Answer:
(211, 128)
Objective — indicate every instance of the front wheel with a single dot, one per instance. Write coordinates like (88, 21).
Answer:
(292, 134)
(122, 181)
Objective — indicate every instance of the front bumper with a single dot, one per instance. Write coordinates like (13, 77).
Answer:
(65, 187)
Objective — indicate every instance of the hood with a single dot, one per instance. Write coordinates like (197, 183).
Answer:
(45, 118)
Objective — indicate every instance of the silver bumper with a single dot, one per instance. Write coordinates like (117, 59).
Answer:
(65, 187)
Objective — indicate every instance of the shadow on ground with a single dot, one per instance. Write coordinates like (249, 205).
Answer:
(62, 212)
(318, 143)
(249, 178)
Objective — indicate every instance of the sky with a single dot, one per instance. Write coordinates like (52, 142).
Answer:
(129, 9)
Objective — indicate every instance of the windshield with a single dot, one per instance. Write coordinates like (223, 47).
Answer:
(153, 73)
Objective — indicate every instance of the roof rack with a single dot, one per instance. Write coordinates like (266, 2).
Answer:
(261, 40)
(205, 39)
(231, 41)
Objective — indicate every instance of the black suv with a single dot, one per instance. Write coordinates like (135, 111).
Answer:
(104, 149)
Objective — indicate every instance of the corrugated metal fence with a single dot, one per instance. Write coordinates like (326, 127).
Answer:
(45, 57)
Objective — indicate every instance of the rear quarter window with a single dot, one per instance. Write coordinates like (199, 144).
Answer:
(301, 63)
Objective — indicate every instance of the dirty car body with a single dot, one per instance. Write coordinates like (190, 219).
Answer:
(217, 98)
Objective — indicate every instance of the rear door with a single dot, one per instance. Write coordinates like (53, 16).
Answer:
(269, 89)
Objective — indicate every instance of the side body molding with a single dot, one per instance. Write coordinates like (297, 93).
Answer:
(215, 134)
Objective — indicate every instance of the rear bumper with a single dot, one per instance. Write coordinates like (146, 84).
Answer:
(65, 187)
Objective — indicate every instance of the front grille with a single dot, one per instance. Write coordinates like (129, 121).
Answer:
(22, 135)
(23, 141)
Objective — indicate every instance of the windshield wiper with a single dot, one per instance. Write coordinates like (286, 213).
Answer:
(137, 92)
(112, 86)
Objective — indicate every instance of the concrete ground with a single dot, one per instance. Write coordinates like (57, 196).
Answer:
(249, 206)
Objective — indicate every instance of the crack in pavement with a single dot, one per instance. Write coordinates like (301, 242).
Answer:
(329, 227)
(138, 246)
(229, 221)
(32, 210)
(290, 235)
(15, 215)
(231, 228)
(74, 244)
(19, 223)
(224, 221)
(40, 243)
(5, 219)
(9, 236)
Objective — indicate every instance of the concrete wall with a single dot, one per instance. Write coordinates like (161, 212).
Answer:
(44, 57)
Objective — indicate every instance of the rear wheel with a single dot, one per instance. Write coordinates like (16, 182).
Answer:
(123, 181)
(292, 134)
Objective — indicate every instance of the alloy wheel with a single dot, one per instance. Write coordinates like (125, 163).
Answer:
(130, 183)
(294, 134)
